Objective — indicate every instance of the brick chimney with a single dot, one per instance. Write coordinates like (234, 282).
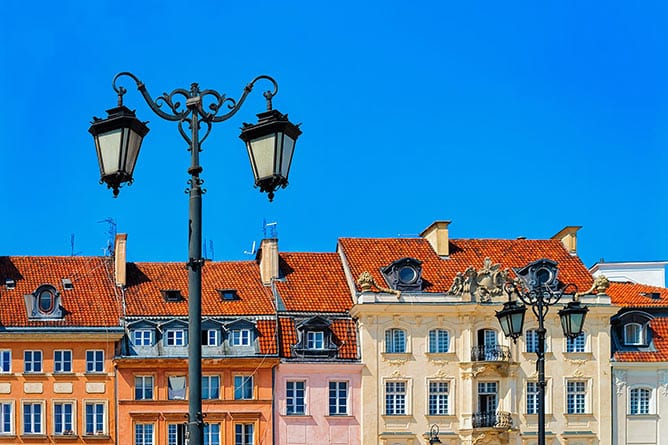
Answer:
(437, 235)
(120, 258)
(569, 238)
(268, 260)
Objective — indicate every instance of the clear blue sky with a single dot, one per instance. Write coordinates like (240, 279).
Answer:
(508, 118)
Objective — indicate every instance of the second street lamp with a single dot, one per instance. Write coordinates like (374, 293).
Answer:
(537, 286)
(270, 144)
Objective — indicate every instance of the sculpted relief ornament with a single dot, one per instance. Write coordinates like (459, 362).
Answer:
(481, 285)
(367, 283)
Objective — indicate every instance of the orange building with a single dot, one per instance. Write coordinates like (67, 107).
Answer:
(59, 327)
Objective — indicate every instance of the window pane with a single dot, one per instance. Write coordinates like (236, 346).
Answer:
(338, 398)
(438, 341)
(395, 398)
(295, 398)
(438, 398)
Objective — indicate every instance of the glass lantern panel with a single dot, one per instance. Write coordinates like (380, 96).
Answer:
(134, 143)
(262, 155)
(109, 146)
(286, 159)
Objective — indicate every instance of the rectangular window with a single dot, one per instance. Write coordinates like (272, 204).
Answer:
(32, 418)
(95, 361)
(175, 337)
(5, 360)
(243, 387)
(143, 434)
(395, 341)
(439, 340)
(6, 418)
(532, 398)
(176, 434)
(95, 419)
(439, 398)
(338, 398)
(210, 387)
(395, 398)
(62, 418)
(32, 361)
(142, 337)
(176, 387)
(531, 340)
(62, 361)
(241, 337)
(639, 401)
(294, 395)
(315, 340)
(210, 337)
(212, 434)
(243, 434)
(143, 387)
(487, 397)
(576, 393)
(576, 344)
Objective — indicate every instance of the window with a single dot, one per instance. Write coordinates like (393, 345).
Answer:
(62, 361)
(576, 344)
(633, 334)
(639, 401)
(439, 340)
(241, 337)
(294, 395)
(243, 434)
(175, 337)
(142, 337)
(487, 397)
(210, 387)
(5, 360)
(176, 387)
(95, 418)
(143, 434)
(32, 361)
(531, 340)
(95, 361)
(144, 387)
(6, 418)
(212, 434)
(395, 341)
(210, 337)
(62, 418)
(315, 340)
(439, 398)
(338, 398)
(576, 392)
(176, 434)
(45, 301)
(243, 387)
(32, 418)
(395, 398)
(532, 398)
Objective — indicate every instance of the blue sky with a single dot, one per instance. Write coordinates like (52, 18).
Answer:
(507, 118)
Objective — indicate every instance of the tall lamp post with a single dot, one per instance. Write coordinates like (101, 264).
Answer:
(270, 144)
(537, 286)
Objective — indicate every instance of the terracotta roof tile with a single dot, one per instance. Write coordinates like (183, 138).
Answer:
(637, 295)
(659, 327)
(288, 335)
(345, 334)
(267, 331)
(371, 254)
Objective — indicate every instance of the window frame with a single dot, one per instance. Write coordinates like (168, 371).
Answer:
(241, 337)
(173, 339)
(436, 341)
(634, 402)
(7, 419)
(96, 405)
(62, 361)
(315, 340)
(340, 407)
(293, 398)
(394, 345)
(145, 440)
(30, 363)
(94, 361)
(208, 434)
(143, 388)
(396, 398)
(244, 388)
(576, 397)
(207, 336)
(178, 435)
(639, 333)
(436, 397)
(140, 334)
(244, 433)
(5, 361)
(42, 417)
(573, 344)
(57, 418)
(208, 386)
(531, 406)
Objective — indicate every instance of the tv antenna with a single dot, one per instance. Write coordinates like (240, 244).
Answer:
(271, 228)
(252, 251)
(111, 236)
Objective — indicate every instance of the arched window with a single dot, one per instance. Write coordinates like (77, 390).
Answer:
(639, 401)
(634, 334)
(45, 301)
(395, 340)
(439, 341)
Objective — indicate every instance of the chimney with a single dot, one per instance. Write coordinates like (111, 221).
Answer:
(437, 235)
(120, 257)
(569, 238)
(268, 256)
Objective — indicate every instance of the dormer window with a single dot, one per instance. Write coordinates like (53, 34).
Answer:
(45, 300)
(67, 284)
(404, 275)
(634, 334)
(315, 337)
(240, 337)
(44, 303)
(10, 283)
(315, 340)
(171, 295)
(228, 294)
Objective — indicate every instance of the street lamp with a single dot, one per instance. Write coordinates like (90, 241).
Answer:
(270, 144)
(537, 286)
(433, 435)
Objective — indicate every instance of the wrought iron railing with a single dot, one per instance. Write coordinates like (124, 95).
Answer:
(501, 420)
(496, 353)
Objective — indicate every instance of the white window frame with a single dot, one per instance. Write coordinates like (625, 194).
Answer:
(210, 378)
(650, 400)
(208, 434)
(446, 395)
(392, 343)
(240, 337)
(5, 361)
(176, 431)
(145, 440)
(212, 337)
(242, 382)
(42, 417)
(95, 361)
(140, 337)
(4, 428)
(244, 432)
(571, 345)
(105, 417)
(175, 337)
(315, 340)
(586, 393)
(399, 391)
(341, 402)
(294, 398)
(639, 334)
(435, 341)
(143, 379)
(55, 418)
(531, 341)
(60, 363)
(31, 362)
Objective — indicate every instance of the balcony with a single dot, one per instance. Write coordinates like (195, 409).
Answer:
(496, 353)
(500, 420)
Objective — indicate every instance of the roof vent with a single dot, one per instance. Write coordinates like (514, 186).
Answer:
(67, 284)
(171, 295)
(651, 295)
(228, 294)
(10, 283)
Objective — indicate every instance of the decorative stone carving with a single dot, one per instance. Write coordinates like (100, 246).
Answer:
(478, 438)
(601, 284)
(366, 283)
(620, 382)
(482, 285)
(441, 374)
(663, 382)
(396, 374)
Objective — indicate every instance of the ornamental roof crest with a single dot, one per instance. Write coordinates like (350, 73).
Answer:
(481, 285)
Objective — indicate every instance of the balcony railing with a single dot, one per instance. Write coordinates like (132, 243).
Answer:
(496, 353)
(500, 420)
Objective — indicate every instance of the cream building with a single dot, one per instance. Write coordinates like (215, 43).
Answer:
(433, 352)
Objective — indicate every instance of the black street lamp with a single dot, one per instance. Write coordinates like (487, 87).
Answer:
(270, 144)
(537, 286)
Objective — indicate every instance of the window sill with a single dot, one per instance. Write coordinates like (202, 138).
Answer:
(434, 356)
(96, 437)
(64, 437)
(34, 437)
(642, 416)
(297, 415)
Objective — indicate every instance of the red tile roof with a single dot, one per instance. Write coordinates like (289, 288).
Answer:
(659, 327)
(92, 302)
(637, 295)
(370, 254)
(345, 333)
